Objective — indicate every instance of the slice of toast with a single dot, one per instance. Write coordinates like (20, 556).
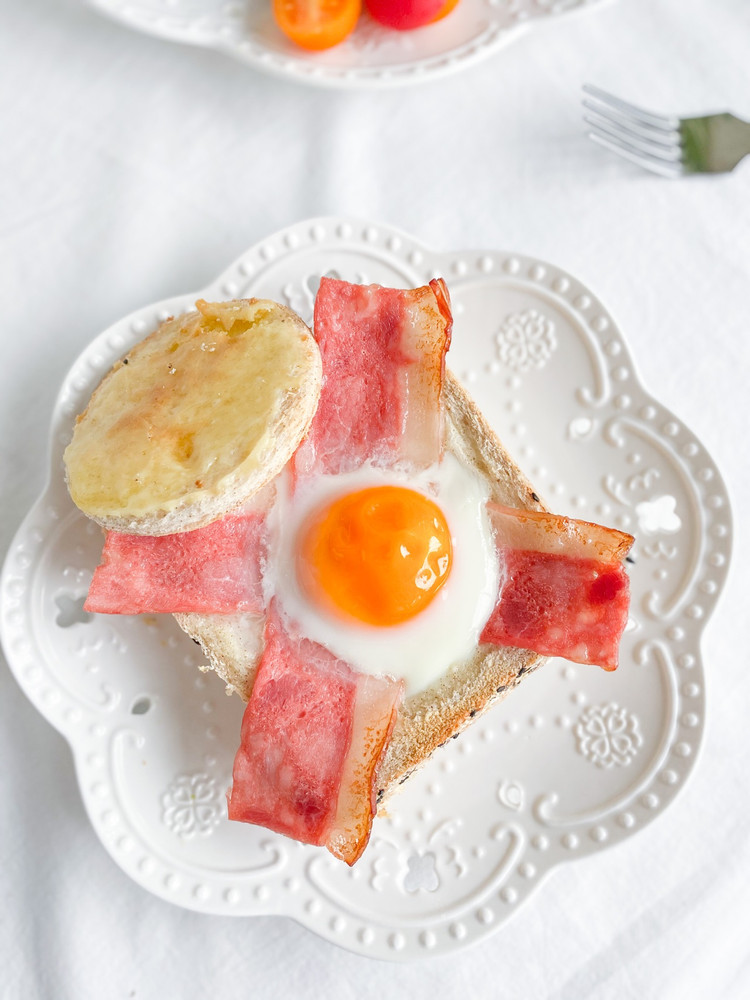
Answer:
(427, 719)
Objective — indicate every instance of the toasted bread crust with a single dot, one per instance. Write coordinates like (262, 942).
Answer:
(432, 716)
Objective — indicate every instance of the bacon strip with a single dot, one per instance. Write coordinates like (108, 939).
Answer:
(314, 730)
(563, 590)
(541, 531)
(213, 570)
(312, 736)
(383, 352)
(375, 710)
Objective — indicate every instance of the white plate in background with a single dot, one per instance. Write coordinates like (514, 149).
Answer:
(373, 56)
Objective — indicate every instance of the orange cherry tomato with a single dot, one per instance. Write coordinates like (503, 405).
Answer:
(444, 10)
(316, 24)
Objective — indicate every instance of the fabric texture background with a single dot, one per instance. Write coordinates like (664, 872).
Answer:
(133, 169)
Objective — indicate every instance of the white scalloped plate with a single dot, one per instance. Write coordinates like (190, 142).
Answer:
(573, 761)
(372, 56)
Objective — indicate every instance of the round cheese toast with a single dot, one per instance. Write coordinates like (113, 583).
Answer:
(196, 419)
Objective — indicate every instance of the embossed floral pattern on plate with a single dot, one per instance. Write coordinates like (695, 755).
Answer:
(192, 805)
(608, 735)
(526, 340)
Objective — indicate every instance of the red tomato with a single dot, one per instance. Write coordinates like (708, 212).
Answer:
(316, 24)
(405, 14)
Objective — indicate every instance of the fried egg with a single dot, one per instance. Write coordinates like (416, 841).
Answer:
(394, 572)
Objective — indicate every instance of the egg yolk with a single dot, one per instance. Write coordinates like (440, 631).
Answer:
(379, 555)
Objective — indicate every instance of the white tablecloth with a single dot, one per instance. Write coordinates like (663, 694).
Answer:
(134, 169)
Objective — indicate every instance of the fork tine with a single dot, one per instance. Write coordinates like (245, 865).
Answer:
(668, 152)
(641, 115)
(647, 133)
(666, 168)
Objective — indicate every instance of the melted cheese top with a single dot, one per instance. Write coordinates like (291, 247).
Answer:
(191, 409)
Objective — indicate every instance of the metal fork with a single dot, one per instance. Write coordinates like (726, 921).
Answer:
(666, 144)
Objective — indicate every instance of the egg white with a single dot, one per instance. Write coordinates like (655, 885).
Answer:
(447, 630)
